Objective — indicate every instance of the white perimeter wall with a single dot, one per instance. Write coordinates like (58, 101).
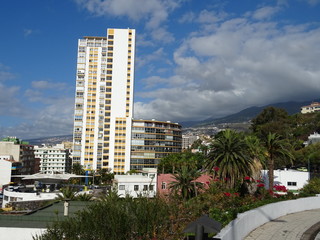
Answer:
(250, 220)
(19, 233)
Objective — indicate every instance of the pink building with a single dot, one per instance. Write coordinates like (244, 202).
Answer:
(164, 180)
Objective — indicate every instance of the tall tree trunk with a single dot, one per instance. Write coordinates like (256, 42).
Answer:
(270, 172)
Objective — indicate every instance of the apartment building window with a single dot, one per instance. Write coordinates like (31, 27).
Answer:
(121, 187)
(145, 187)
(136, 187)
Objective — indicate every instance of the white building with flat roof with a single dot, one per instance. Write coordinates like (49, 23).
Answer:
(291, 179)
(104, 101)
(143, 183)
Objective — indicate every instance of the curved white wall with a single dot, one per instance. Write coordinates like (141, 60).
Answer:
(20, 233)
(250, 220)
(23, 196)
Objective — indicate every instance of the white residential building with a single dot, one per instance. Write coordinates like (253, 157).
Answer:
(138, 184)
(291, 179)
(104, 101)
(313, 138)
(313, 107)
(53, 158)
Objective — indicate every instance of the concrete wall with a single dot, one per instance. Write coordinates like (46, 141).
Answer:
(250, 220)
(5, 172)
(20, 233)
(9, 148)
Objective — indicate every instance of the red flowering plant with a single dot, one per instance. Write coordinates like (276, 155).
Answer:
(247, 178)
(216, 169)
(279, 188)
(227, 194)
(259, 185)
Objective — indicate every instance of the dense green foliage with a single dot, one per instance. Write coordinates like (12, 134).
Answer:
(119, 219)
(172, 162)
(313, 187)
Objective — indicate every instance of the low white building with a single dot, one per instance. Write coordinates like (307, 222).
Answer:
(313, 107)
(143, 183)
(291, 179)
(5, 172)
(313, 138)
(53, 158)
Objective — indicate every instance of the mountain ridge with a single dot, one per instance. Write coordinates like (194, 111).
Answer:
(247, 114)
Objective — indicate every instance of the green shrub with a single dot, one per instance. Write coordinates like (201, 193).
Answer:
(313, 187)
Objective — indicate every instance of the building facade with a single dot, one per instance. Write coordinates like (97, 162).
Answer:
(143, 183)
(104, 101)
(53, 158)
(188, 140)
(153, 140)
(20, 152)
(313, 107)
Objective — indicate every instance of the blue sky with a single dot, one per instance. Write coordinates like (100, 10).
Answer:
(194, 59)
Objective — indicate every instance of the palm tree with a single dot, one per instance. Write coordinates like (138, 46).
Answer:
(184, 182)
(230, 154)
(277, 149)
(257, 152)
(67, 194)
(84, 197)
(77, 169)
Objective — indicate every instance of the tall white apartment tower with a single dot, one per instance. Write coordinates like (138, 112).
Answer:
(104, 101)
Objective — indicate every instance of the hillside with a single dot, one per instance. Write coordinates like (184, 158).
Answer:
(248, 114)
(50, 140)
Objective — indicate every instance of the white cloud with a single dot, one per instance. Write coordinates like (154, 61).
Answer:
(242, 63)
(265, 12)
(153, 12)
(206, 16)
(157, 55)
(50, 112)
(27, 32)
(187, 17)
(313, 2)
(53, 120)
(47, 85)
(5, 73)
